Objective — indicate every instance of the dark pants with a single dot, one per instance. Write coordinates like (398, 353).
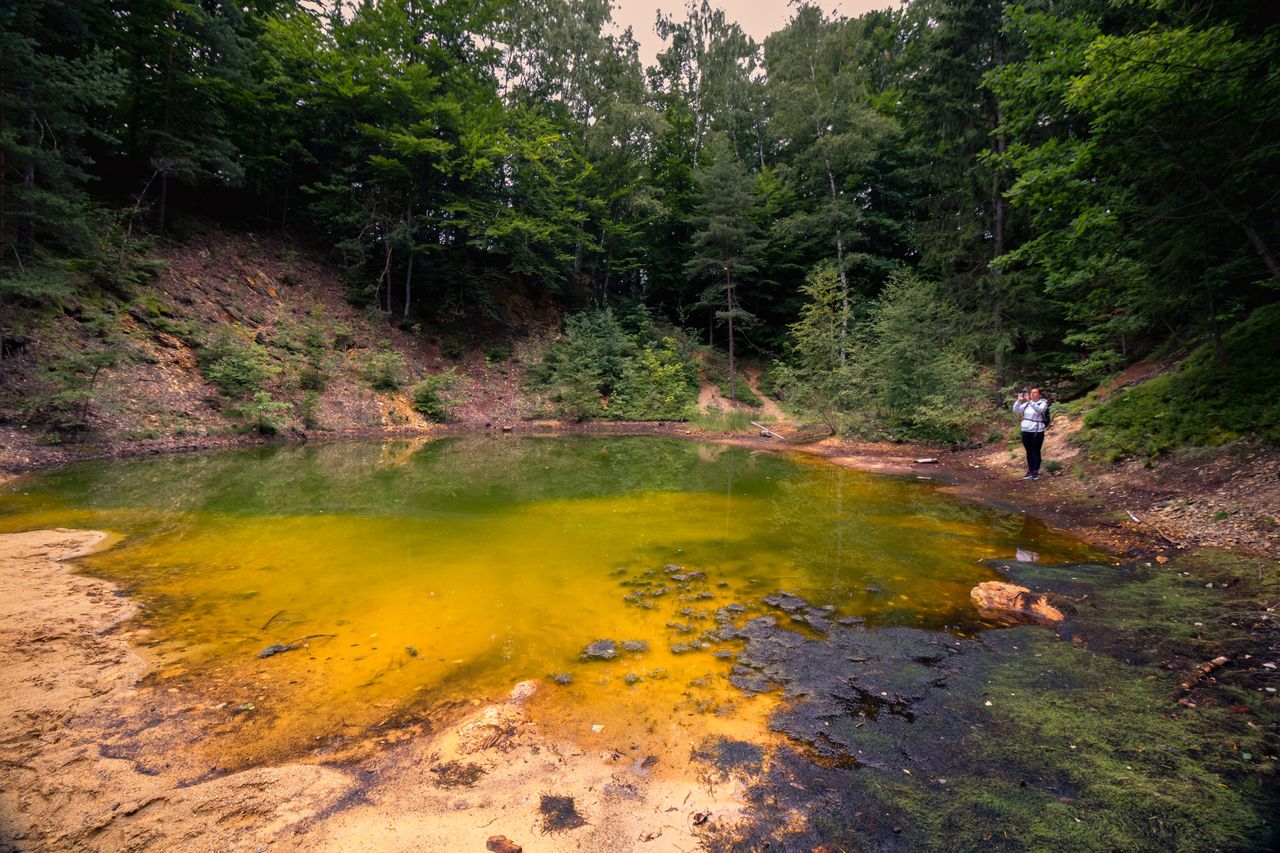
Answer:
(1032, 442)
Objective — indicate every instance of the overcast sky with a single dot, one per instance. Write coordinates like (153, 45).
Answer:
(757, 18)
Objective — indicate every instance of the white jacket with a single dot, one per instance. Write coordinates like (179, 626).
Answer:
(1032, 414)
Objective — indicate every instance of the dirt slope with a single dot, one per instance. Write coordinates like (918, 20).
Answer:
(260, 291)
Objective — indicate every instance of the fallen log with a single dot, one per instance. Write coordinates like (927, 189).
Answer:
(764, 430)
(1200, 673)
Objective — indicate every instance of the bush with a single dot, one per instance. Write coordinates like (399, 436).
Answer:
(598, 369)
(68, 390)
(657, 385)
(383, 370)
(907, 367)
(581, 370)
(264, 414)
(309, 410)
(919, 360)
(237, 368)
(426, 399)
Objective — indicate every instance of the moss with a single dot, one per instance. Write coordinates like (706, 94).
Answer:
(1030, 739)
(1207, 401)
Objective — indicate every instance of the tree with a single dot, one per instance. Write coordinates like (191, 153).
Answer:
(56, 82)
(818, 376)
(1149, 192)
(830, 135)
(726, 244)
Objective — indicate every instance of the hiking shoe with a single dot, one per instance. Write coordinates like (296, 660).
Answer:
(1035, 476)
(1028, 476)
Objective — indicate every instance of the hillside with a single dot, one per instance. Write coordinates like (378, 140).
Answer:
(259, 315)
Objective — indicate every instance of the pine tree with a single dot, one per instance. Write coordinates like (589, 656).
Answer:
(726, 241)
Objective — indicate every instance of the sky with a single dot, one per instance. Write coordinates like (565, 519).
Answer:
(758, 18)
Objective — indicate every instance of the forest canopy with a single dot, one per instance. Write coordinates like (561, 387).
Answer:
(1052, 188)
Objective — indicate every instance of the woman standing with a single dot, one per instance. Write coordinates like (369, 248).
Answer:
(1032, 410)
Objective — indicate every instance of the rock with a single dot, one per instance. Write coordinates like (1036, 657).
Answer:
(502, 844)
(275, 649)
(636, 646)
(562, 678)
(1015, 601)
(600, 650)
(522, 691)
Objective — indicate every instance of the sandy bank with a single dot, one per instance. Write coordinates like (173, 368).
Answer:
(93, 758)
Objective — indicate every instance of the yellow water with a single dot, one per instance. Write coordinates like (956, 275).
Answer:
(416, 575)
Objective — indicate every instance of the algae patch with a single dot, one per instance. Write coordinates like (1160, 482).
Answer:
(1026, 738)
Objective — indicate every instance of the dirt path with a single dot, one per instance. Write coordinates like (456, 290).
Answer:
(94, 758)
(769, 409)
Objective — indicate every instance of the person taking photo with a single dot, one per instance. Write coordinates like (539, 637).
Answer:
(1032, 409)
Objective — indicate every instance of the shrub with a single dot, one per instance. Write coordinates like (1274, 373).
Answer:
(265, 414)
(919, 361)
(908, 366)
(68, 389)
(309, 410)
(657, 384)
(582, 369)
(427, 402)
(426, 399)
(383, 370)
(237, 368)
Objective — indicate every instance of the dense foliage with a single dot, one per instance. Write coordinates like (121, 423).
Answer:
(922, 206)
(598, 369)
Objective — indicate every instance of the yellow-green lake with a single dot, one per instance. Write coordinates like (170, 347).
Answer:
(426, 573)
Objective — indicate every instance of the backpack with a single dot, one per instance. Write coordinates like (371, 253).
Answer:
(1046, 417)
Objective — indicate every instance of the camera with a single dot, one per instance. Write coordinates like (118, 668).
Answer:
(1024, 390)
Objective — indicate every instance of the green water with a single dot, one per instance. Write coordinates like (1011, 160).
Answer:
(447, 570)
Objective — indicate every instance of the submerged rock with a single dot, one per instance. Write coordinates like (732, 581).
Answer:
(1017, 602)
(636, 646)
(275, 649)
(600, 650)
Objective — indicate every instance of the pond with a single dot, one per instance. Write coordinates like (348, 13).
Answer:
(418, 575)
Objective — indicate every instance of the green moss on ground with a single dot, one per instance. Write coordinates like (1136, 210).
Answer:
(1205, 402)
(1035, 739)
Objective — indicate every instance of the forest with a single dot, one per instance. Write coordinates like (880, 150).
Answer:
(906, 214)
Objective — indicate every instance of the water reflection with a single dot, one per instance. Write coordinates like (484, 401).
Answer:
(498, 559)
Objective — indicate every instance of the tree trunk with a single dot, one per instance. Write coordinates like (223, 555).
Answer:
(162, 208)
(408, 284)
(999, 214)
(29, 173)
(844, 275)
(408, 272)
(728, 281)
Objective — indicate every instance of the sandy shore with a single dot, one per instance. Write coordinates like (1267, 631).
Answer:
(94, 758)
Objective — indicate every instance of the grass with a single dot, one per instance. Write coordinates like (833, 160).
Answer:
(1205, 402)
(719, 421)
(742, 393)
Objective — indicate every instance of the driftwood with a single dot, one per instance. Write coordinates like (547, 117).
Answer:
(267, 624)
(1200, 673)
(1165, 536)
